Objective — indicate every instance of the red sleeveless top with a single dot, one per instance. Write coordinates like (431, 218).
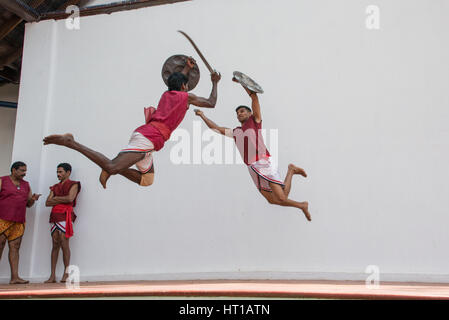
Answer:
(249, 141)
(13, 200)
(170, 111)
(62, 190)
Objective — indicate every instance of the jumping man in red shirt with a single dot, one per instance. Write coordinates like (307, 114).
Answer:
(150, 137)
(261, 166)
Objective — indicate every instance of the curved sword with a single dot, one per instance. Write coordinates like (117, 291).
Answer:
(198, 51)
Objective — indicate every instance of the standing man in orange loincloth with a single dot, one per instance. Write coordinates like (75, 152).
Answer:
(15, 197)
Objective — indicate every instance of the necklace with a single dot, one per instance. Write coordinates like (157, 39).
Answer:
(17, 186)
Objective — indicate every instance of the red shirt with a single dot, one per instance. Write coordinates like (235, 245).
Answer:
(170, 111)
(13, 200)
(62, 190)
(249, 141)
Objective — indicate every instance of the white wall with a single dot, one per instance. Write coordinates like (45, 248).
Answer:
(364, 112)
(7, 122)
(9, 93)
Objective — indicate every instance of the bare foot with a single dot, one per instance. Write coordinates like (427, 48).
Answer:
(305, 209)
(18, 281)
(51, 280)
(59, 139)
(104, 176)
(297, 170)
(64, 277)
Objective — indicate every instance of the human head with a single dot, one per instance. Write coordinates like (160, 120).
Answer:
(178, 82)
(18, 170)
(243, 113)
(63, 171)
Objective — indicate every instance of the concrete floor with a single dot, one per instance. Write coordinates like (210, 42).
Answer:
(229, 288)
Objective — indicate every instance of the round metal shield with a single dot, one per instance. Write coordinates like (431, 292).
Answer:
(247, 82)
(176, 63)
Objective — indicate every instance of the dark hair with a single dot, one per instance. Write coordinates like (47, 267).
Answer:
(16, 165)
(65, 166)
(176, 80)
(247, 108)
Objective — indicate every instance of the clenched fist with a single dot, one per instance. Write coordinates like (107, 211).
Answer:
(215, 76)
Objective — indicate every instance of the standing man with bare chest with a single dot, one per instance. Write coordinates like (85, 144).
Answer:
(15, 197)
(63, 199)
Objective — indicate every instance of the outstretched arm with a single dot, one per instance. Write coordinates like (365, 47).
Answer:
(203, 102)
(255, 105)
(212, 125)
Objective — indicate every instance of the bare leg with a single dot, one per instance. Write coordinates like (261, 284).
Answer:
(14, 247)
(54, 256)
(2, 244)
(131, 174)
(134, 175)
(65, 254)
(288, 181)
(111, 167)
(292, 170)
(297, 170)
(278, 197)
(104, 177)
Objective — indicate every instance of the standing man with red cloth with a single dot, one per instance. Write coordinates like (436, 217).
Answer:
(150, 137)
(15, 197)
(62, 198)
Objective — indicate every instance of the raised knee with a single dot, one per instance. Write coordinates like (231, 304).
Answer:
(147, 179)
(281, 199)
(111, 169)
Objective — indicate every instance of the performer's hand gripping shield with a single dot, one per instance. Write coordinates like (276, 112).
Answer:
(247, 82)
(176, 63)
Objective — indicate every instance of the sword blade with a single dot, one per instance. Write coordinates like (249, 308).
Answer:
(198, 51)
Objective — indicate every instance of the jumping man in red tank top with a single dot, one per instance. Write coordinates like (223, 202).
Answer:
(150, 137)
(261, 166)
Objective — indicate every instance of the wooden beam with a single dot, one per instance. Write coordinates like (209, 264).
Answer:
(7, 104)
(109, 8)
(10, 75)
(9, 26)
(13, 22)
(68, 3)
(7, 60)
(21, 9)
